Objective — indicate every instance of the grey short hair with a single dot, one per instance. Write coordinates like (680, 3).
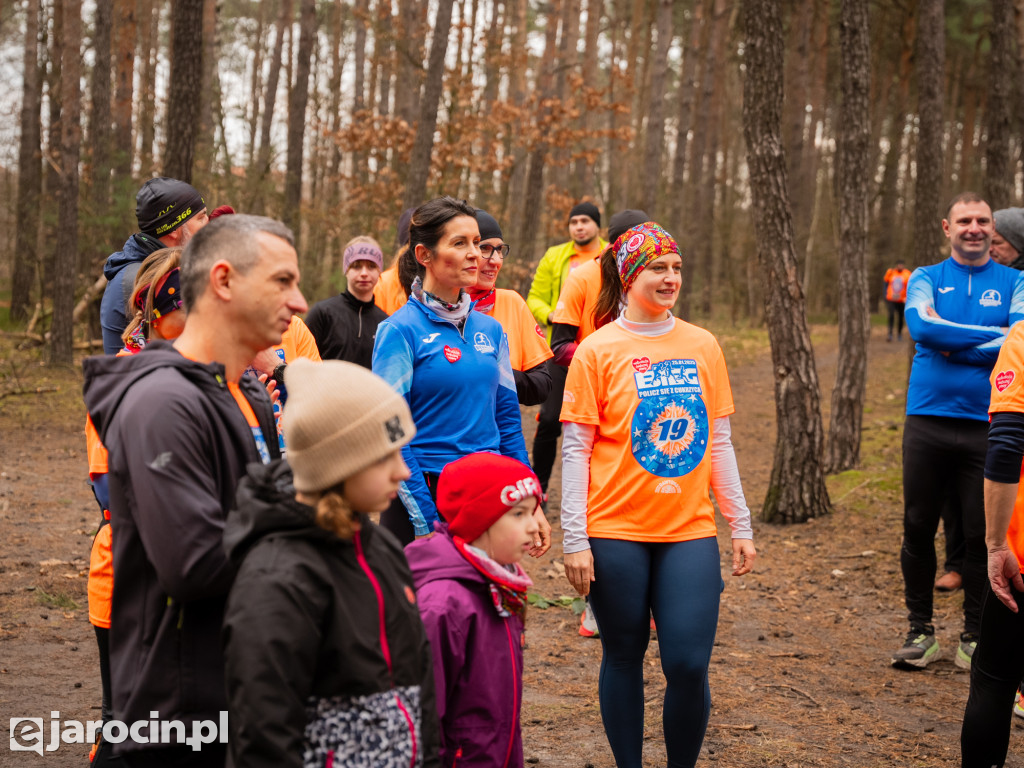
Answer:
(232, 238)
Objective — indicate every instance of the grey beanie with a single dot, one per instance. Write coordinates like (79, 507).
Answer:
(1010, 226)
(340, 419)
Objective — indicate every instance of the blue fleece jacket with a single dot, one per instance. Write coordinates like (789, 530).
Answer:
(460, 389)
(956, 350)
(119, 267)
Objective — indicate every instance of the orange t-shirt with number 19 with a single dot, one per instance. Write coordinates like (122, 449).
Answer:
(653, 401)
(1008, 396)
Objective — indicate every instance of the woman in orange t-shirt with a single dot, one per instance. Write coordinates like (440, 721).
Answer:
(646, 413)
(528, 349)
(156, 302)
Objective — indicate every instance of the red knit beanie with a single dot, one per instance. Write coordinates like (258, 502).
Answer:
(476, 490)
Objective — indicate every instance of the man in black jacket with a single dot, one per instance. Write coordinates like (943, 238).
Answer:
(345, 325)
(180, 423)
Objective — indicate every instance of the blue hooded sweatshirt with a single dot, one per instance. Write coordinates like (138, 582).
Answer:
(120, 271)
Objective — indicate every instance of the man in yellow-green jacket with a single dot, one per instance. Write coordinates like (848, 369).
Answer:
(558, 261)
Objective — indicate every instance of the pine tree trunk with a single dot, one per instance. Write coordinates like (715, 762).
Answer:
(684, 93)
(297, 100)
(999, 173)
(206, 147)
(256, 81)
(530, 224)
(52, 181)
(100, 131)
(149, 44)
(262, 170)
(930, 65)
(656, 112)
(30, 170)
(185, 88)
(125, 32)
(66, 248)
(419, 163)
(584, 171)
(796, 490)
(853, 171)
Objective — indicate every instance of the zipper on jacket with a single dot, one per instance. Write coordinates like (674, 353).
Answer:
(970, 280)
(330, 759)
(359, 334)
(515, 693)
(385, 649)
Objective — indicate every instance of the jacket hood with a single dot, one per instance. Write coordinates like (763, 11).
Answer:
(136, 249)
(437, 558)
(265, 504)
(108, 378)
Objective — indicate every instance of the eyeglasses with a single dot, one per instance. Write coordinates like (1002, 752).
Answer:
(499, 251)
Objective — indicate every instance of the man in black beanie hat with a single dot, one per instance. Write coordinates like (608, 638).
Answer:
(169, 212)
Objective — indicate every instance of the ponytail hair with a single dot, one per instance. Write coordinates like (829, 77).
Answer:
(408, 269)
(334, 514)
(156, 266)
(609, 300)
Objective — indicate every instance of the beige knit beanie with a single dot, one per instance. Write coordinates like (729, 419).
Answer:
(340, 419)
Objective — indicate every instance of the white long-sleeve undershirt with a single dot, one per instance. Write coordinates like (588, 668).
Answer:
(578, 446)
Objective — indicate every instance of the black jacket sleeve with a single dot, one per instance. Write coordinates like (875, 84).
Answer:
(533, 385)
(563, 342)
(272, 634)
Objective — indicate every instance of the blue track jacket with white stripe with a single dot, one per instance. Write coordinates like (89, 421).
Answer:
(974, 305)
(460, 389)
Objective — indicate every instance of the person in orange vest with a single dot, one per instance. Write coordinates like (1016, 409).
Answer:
(896, 296)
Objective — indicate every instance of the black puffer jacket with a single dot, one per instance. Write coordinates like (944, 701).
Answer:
(178, 444)
(314, 676)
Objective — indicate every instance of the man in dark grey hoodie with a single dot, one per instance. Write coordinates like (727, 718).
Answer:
(169, 212)
(180, 423)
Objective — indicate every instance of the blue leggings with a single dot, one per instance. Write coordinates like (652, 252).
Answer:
(680, 583)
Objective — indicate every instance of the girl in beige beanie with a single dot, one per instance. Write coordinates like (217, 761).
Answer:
(326, 656)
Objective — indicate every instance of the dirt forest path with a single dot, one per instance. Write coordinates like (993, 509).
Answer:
(800, 673)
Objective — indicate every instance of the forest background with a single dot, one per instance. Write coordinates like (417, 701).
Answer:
(794, 148)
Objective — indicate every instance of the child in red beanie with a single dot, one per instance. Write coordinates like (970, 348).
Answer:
(472, 597)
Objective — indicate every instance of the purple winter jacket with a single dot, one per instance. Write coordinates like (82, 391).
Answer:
(478, 657)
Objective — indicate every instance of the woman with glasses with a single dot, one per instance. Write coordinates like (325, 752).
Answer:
(527, 348)
(451, 365)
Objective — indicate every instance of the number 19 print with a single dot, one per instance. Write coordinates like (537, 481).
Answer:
(670, 425)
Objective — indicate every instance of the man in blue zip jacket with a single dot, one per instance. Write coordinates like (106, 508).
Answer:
(958, 312)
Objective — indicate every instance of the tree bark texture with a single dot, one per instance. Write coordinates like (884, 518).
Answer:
(654, 145)
(796, 491)
(125, 32)
(853, 171)
(30, 171)
(419, 163)
(262, 169)
(998, 186)
(66, 249)
(149, 41)
(931, 57)
(100, 112)
(297, 100)
(185, 88)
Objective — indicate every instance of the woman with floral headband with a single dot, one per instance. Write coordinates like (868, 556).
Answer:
(646, 412)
